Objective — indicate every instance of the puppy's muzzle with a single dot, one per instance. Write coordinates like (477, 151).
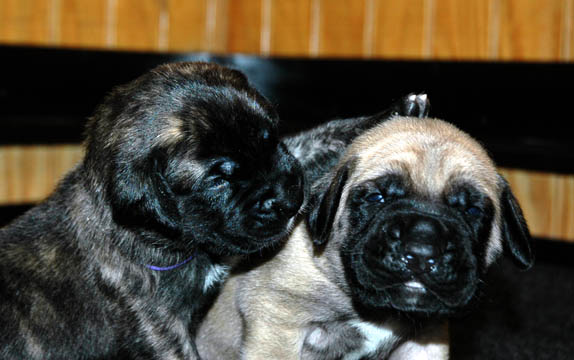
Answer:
(411, 244)
(415, 260)
(278, 203)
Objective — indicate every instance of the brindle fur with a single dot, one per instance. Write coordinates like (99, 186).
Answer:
(183, 162)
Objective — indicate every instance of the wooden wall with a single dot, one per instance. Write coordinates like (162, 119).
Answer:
(450, 29)
(29, 173)
(519, 30)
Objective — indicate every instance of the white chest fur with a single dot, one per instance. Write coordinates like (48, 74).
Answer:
(375, 337)
(215, 275)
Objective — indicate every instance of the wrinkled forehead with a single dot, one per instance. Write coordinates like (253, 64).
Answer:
(221, 120)
(430, 153)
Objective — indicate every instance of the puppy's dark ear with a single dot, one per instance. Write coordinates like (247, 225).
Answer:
(324, 205)
(515, 234)
(141, 196)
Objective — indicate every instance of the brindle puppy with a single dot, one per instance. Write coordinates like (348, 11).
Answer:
(183, 170)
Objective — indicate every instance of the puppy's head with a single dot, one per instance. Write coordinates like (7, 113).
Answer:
(191, 150)
(415, 214)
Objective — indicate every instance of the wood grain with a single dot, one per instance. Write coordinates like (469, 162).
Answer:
(187, 25)
(83, 23)
(567, 53)
(399, 29)
(216, 24)
(244, 26)
(26, 21)
(340, 27)
(461, 29)
(530, 29)
(30, 173)
(290, 28)
(138, 24)
(547, 201)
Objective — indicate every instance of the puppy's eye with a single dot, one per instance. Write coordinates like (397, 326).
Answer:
(375, 197)
(474, 211)
(265, 135)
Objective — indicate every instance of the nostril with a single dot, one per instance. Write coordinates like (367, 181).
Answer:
(395, 232)
(267, 206)
(420, 256)
(279, 203)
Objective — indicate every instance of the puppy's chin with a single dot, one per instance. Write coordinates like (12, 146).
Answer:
(416, 298)
(245, 245)
(263, 231)
(250, 240)
(378, 289)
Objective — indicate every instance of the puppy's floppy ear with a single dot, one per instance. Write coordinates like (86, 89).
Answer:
(515, 234)
(324, 205)
(141, 196)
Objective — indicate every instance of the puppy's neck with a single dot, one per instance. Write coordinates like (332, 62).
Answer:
(92, 225)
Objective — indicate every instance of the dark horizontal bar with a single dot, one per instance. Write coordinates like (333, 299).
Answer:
(519, 111)
(10, 212)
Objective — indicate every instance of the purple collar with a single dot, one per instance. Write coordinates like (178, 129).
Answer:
(166, 268)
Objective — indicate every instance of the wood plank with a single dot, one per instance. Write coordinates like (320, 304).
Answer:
(30, 173)
(568, 31)
(26, 21)
(83, 23)
(461, 29)
(568, 229)
(530, 30)
(409, 17)
(340, 27)
(187, 25)
(244, 26)
(216, 26)
(138, 24)
(290, 27)
(547, 201)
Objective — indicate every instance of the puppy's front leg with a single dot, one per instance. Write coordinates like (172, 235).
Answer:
(432, 343)
(265, 341)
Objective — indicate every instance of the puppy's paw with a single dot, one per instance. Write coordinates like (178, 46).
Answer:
(416, 105)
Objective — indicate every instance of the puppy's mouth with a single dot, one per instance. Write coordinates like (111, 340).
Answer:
(388, 283)
(265, 233)
(272, 228)
(273, 217)
(415, 287)
(258, 238)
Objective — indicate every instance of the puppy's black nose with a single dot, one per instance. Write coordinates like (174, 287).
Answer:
(281, 201)
(422, 241)
(281, 192)
(277, 207)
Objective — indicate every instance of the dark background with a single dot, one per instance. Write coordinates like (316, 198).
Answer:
(520, 111)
